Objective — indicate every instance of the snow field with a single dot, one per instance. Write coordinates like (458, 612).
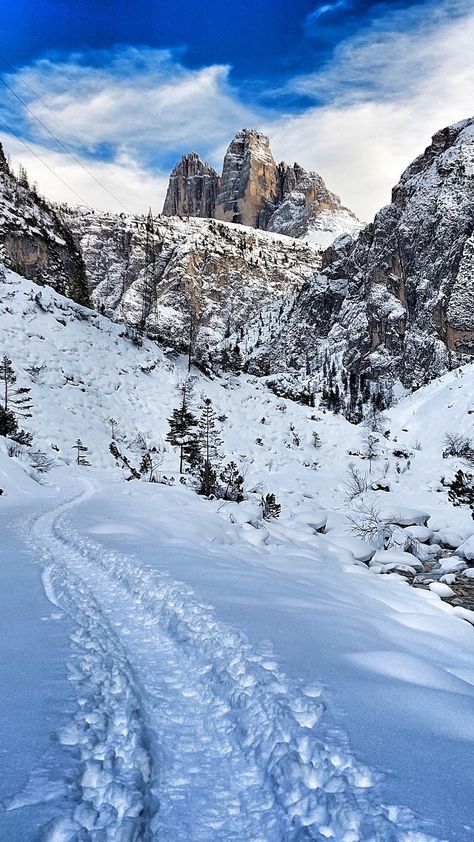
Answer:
(395, 657)
(237, 754)
(107, 731)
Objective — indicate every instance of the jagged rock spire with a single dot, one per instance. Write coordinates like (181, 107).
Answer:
(192, 188)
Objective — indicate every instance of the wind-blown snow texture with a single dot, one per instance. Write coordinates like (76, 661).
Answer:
(228, 721)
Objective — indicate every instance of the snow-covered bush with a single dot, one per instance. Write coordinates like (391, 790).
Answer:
(271, 508)
(461, 490)
(356, 483)
(457, 444)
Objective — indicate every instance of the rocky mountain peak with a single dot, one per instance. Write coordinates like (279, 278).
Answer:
(192, 188)
(249, 185)
(255, 191)
(306, 208)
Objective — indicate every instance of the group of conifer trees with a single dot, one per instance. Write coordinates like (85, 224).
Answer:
(199, 442)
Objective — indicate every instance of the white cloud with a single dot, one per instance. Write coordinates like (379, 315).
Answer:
(386, 91)
(130, 99)
(324, 9)
(392, 90)
(123, 114)
(135, 187)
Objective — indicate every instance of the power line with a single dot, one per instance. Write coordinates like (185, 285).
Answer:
(58, 141)
(18, 137)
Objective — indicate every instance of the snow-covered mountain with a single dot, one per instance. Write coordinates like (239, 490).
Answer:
(154, 272)
(174, 717)
(396, 303)
(255, 191)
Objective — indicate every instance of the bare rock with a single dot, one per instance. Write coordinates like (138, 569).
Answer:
(192, 188)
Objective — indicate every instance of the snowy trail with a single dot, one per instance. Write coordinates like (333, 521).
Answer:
(184, 731)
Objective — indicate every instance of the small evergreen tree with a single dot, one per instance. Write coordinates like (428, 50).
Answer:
(236, 362)
(225, 360)
(149, 279)
(183, 424)
(207, 479)
(210, 443)
(81, 451)
(271, 508)
(371, 449)
(232, 482)
(113, 427)
(17, 401)
(8, 423)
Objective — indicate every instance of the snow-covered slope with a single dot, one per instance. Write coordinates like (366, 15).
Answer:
(197, 726)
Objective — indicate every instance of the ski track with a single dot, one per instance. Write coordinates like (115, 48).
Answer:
(184, 733)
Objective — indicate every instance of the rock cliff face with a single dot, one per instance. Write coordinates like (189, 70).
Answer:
(254, 191)
(249, 187)
(192, 188)
(35, 243)
(307, 209)
(398, 302)
(154, 273)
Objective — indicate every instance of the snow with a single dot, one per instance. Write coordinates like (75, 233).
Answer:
(441, 589)
(466, 549)
(215, 676)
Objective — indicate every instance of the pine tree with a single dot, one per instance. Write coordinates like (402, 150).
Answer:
(149, 279)
(8, 423)
(8, 378)
(225, 360)
(182, 432)
(81, 452)
(192, 325)
(17, 401)
(236, 362)
(23, 177)
(233, 483)
(210, 443)
(371, 449)
(113, 427)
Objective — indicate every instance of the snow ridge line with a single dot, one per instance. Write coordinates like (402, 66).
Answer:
(322, 790)
(111, 790)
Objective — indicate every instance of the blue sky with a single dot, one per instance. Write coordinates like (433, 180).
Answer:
(351, 88)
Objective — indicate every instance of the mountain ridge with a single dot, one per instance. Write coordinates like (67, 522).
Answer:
(255, 191)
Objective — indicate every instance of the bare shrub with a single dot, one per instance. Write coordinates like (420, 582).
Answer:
(356, 483)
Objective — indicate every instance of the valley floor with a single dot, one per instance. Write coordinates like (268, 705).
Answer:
(177, 668)
(176, 719)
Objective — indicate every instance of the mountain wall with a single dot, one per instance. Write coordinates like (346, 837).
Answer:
(35, 242)
(154, 273)
(398, 302)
